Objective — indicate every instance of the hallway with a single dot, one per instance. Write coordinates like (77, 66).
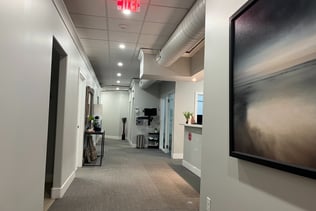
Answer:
(132, 180)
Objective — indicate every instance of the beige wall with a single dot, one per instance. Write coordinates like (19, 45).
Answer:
(197, 62)
(184, 101)
(232, 184)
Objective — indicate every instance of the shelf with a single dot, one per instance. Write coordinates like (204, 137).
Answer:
(153, 140)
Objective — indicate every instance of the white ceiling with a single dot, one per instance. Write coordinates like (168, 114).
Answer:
(101, 28)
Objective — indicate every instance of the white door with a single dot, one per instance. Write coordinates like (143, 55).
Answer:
(80, 118)
(162, 142)
(166, 119)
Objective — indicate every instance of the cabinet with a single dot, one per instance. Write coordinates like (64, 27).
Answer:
(153, 140)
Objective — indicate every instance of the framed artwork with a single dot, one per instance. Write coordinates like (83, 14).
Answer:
(273, 84)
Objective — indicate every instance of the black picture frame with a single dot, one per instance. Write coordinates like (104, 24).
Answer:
(272, 85)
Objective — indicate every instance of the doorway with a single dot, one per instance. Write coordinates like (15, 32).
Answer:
(55, 114)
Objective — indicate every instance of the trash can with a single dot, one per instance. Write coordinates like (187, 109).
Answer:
(140, 141)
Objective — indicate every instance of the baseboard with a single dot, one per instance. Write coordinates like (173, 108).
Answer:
(192, 168)
(114, 137)
(130, 143)
(164, 150)
(59, 192)
(177, 155)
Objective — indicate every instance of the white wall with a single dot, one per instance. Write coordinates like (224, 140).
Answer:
(232, 184)
(166, 87)
(197, 62)
(192, 148)
(150, 69)
(184, 101)
(26, 40)
(115, 107)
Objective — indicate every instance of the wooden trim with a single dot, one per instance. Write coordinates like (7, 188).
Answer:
(89, 110)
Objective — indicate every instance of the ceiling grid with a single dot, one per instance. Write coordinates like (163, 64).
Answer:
(101, 28)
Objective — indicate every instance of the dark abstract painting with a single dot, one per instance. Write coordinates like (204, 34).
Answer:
(273, 84)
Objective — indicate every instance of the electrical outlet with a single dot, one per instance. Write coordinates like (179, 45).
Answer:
(208, 203)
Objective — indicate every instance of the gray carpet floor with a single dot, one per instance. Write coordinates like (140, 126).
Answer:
(132, 180)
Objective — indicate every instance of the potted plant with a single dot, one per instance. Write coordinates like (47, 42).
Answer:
(90, 121)
(187, 116)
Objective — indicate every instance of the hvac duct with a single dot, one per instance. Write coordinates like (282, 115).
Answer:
(189, 32)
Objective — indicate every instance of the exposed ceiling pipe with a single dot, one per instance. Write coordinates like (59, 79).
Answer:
(189, 32)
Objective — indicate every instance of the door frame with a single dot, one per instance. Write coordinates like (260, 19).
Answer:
(57, 134)
(82, 81)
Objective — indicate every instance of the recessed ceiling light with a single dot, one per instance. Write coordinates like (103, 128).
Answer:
(118, 81)
(126, 12)
(194, 79)
(119, 74)
(120, 64)
(122, 46)
(117, 88)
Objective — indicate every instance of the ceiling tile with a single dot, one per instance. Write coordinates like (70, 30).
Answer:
(126, 52)
(89, 21)
(95, 64)
(92, 33)
(93, 54)
(96, 54)
(94, 43)
(174, 3)
(142, 2)
(153, 40)
(116, 68)
(112, 82)
(102, 67)
(135, 64)
(124, 25)
(164, 14)
(97, 46)
(123, 37)
(158, 28)
(125, 82)
(91, 7)
(113, 12)
(128, 46)
(100, 61)
(117, 55)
